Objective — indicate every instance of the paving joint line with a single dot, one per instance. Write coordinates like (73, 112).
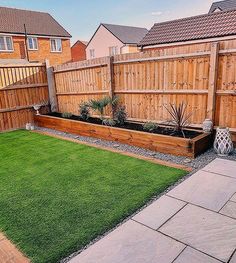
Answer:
(218, 173)
(226, 202)
(188, 245)
(189, 203)
(173, 261)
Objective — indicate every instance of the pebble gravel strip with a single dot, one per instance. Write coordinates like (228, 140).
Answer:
(196, 164)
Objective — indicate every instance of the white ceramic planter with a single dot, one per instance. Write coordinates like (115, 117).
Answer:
(223, 144)
(207, 125)
(28, 126)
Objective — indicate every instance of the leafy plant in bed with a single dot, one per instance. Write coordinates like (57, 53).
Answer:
(175, 126)
(172, 136)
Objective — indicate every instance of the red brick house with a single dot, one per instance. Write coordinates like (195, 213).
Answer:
(33, 36)
(78, 51)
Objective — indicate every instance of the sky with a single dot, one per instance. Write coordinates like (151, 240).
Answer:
(82, 17)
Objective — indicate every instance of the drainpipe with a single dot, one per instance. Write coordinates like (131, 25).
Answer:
(26, 46)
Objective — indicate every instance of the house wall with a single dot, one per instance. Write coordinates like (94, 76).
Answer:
(101, 42)
(43, 52)
(78, 52)
(129, 49)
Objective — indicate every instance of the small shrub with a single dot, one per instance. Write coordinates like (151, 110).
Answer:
(150, 126)
(84, 111)
(109, 122)
(99, 105)
(67, 115)
(121, 115)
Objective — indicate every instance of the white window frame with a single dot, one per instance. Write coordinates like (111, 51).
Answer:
(55, 51)
(5, 43)
(113, 50)
(92, 53)
(34, 48)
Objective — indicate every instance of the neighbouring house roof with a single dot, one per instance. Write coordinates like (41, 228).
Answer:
(126, 34)
(80, 41)
(218, 24)
(37, 23)
(225, 5)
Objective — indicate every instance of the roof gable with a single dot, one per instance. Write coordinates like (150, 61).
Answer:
(225, 5)
(127, 34)
(37, 23)
(218, 24)
(85, 43)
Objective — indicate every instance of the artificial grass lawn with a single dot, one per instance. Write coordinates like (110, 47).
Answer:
(56, 196)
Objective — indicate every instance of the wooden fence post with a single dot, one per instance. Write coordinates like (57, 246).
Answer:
(51, 87)
(110, 69)
(211, 101)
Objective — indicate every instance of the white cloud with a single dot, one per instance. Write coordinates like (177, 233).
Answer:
(156, 13)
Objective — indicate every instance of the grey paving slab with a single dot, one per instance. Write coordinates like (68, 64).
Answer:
(190, 255)
(229, 209)
(221, 166)
(233, 198)
(206, 189)
(131, 243)
(159, 212)
(233, 259)
(204, 230)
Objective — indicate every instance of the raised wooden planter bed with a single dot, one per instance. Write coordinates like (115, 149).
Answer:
(161, 143)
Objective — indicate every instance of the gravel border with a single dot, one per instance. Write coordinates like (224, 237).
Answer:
(196, 164)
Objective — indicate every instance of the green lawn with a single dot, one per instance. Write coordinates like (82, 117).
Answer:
(56, 196)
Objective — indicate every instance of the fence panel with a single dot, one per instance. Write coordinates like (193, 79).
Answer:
(21, 86)
(81, 81)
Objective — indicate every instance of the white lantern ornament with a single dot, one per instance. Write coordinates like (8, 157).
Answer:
(223, 144)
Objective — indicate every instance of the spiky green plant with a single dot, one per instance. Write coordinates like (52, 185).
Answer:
(109, 122)
(121, 115)
(66, 115)
(179, 116)
(150, 126)
(100, 105)
(84, 111)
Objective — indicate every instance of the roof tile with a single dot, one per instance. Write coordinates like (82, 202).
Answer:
(192, 28)
(37, 23)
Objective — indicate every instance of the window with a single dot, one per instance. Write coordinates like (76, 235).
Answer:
(6, 43)
(113, 51)
(32, 43)
(56, 45)
(92, 53)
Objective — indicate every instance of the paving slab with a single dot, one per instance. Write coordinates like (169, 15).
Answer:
(194, 256)
(233, 198)
(159, 212)
(233, 259)
(204, 230)
(132, 243)
(229, 209)
(221, 166)
(205, 189)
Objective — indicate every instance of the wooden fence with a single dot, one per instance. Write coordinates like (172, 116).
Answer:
(21, 86)
(203, 76)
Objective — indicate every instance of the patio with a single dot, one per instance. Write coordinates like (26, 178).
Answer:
(195, 222)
